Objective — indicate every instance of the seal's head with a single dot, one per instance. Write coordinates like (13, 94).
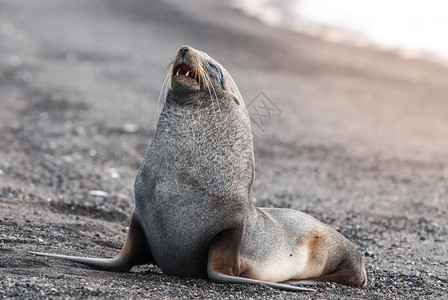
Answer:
(194, 74)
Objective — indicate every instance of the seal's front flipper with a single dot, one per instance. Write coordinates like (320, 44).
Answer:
(135, 251)
(223, 264)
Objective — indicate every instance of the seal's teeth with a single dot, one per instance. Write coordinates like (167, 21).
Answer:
(178, 71)
(188, 72)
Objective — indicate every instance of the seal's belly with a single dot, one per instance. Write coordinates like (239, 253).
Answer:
(180, 236)
(182, 250)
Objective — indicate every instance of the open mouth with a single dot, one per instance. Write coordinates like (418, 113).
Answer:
(183, 70)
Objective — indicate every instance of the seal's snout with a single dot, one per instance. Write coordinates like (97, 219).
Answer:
(186, 69)
(183, 50)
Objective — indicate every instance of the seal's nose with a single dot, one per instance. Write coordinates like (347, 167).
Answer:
(183, 50)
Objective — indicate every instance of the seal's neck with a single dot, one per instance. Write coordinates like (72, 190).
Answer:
(215, 144)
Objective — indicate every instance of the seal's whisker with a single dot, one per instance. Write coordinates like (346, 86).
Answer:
(209, 92)
(200, 75)
(209, 84)
(214, 91)
(200, 80)
(195, 74)
(165, 84)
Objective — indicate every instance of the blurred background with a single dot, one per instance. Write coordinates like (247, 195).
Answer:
(357, 137)
(411, 28)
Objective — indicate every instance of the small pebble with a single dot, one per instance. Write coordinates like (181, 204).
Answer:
(98, 193)
(130, 128)
(93, 152)
(113, 173)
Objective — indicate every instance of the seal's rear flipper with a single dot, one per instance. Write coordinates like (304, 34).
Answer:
(223, 262)
(354, 278)
(351, 276)
(135, 251)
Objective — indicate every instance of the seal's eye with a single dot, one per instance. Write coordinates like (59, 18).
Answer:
(215, 73)
(213, 68)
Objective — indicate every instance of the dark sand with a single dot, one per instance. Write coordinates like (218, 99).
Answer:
(361, 144)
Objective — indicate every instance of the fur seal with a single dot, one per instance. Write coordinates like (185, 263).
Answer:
(193, 215)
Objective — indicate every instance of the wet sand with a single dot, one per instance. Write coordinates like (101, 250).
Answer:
(357, 138)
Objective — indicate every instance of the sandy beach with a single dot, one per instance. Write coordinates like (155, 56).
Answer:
(356, 137)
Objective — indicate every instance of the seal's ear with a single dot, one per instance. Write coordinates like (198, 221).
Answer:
(235, 98)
